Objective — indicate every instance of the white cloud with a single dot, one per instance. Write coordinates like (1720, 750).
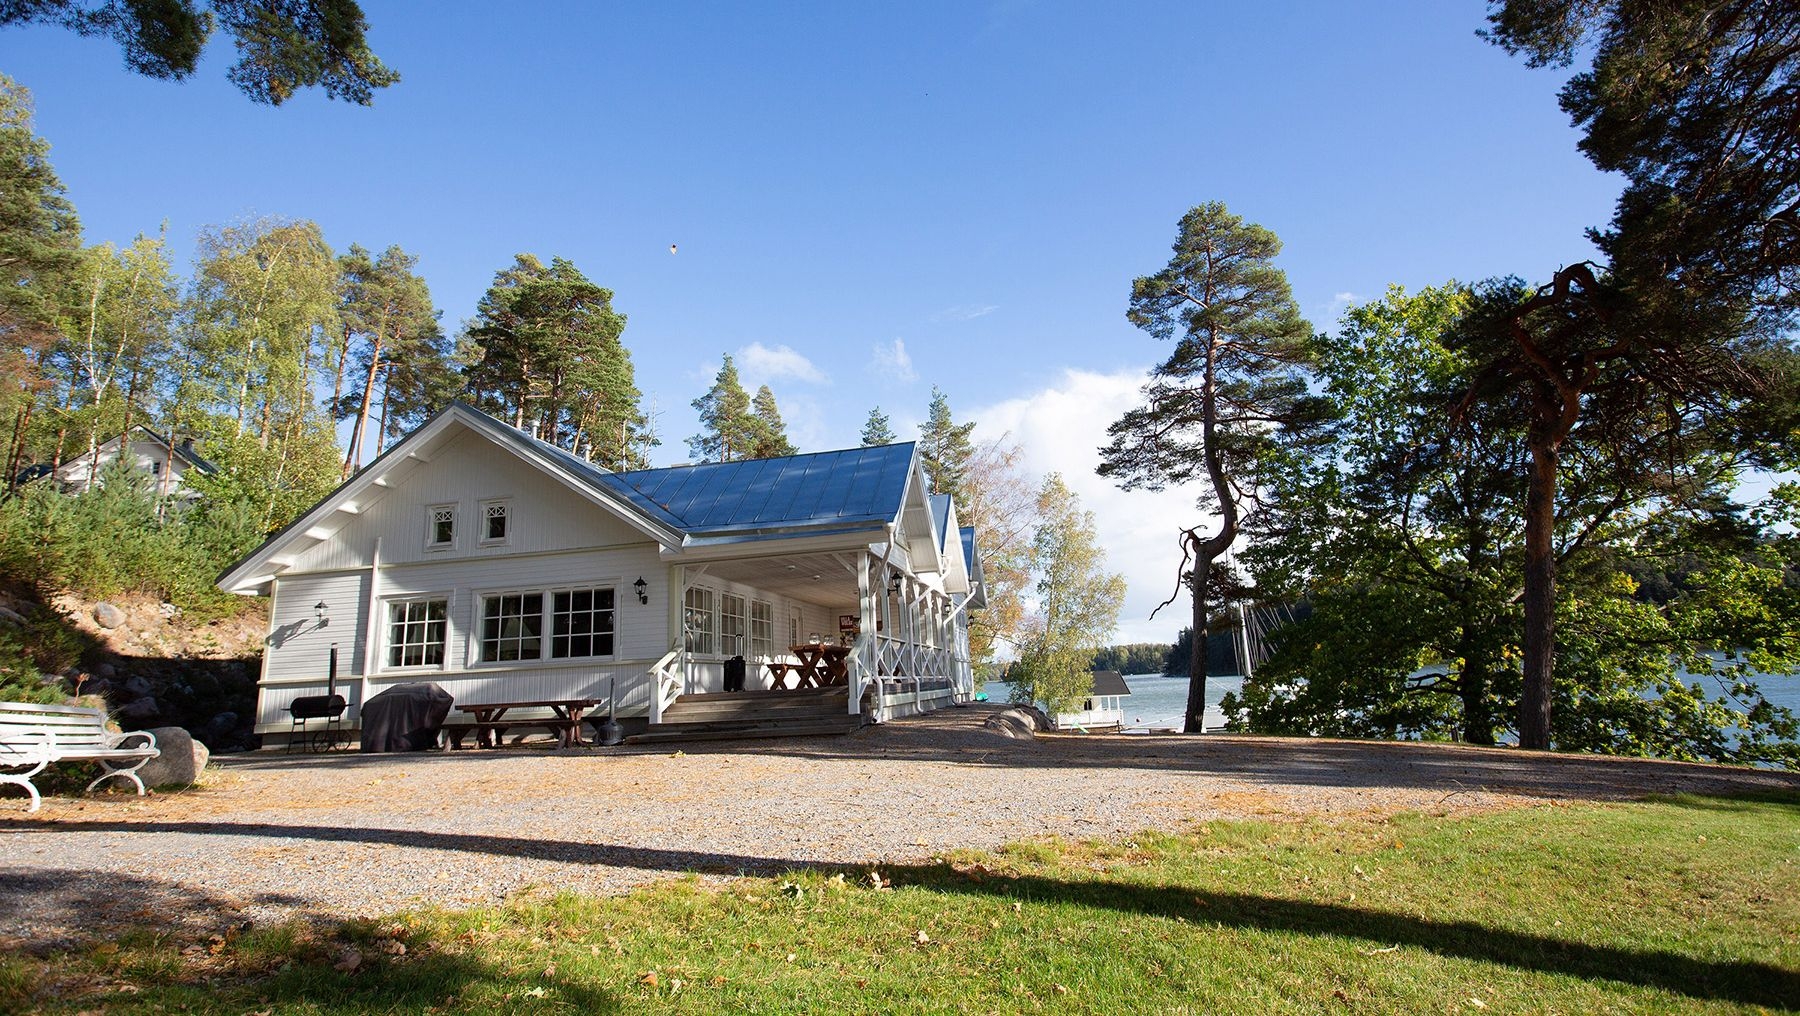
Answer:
(1331, 312)
(1061, 429)
(760, 364)
(964, 312)
(893, 361)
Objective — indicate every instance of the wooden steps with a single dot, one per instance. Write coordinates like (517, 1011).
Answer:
(718, 716)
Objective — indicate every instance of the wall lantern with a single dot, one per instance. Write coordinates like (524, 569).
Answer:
(894, 584)
(320, 611)
(641, 586)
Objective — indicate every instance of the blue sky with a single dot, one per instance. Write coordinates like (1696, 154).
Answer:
(871, 199)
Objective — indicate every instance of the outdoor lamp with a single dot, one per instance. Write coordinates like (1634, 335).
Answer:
(640, 585)
(319, 611)
(894, 584)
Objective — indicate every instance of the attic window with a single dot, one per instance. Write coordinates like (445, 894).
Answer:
(496, 519)
(440, 526)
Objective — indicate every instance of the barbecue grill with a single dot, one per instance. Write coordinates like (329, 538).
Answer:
(329, 708)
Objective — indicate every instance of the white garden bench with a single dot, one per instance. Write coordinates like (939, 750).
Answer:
(32, 736)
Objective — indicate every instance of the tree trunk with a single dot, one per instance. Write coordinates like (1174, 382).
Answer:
(354, 453)
(1540, 596)
(16, 450)
(387, 385)
(1472, 686)
(1193, 721)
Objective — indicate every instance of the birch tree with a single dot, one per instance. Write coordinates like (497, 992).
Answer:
(1077, 603)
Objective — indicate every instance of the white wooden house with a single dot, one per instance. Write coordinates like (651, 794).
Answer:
(506, 569)
(167, 465)
(1104, 706)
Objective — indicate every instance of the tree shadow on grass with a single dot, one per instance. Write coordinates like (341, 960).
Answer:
(278, 969)
(419, 984)
(1736, 981)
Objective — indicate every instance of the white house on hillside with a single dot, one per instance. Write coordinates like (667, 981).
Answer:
(145, 451)
(505, 569)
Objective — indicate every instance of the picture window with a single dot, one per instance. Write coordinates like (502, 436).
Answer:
(417, 631)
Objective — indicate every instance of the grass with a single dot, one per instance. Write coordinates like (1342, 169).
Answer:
(1680, 905)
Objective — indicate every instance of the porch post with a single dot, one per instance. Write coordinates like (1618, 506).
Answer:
(372, 629)
(868, 650)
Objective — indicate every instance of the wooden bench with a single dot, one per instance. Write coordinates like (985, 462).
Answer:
(32, 736)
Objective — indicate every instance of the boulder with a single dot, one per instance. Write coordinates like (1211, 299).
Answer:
(218, 729)
(108, 616)
(11, 617)
(137, 687)
(106, 670)
(1021, 723)
(180, 763)
(138, 710)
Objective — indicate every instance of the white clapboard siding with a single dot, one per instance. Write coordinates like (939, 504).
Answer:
(467, 471)
(298, 645)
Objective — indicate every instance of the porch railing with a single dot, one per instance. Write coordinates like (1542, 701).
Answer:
(666, 683)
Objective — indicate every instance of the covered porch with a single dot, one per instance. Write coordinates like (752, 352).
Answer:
(858, 620)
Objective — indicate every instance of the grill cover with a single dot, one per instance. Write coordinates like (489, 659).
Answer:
(406, 717)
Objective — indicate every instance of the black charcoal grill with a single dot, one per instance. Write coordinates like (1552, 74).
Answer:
(329, 708)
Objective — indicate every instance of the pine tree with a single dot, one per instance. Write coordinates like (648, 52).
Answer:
(552, 360)
(1212, 407)
(877, 430)
(389, 325)
(770, 434)
(945, 446)
(728, 430)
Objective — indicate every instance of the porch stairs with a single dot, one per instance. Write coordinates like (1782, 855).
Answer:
(720, 716)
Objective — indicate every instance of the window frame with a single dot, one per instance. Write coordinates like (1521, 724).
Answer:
(479, 635)
(431, 526)
(765, 646)
(546, 618)
(388, 645)
(689, 610)
(484, 515)
(551, 614)
(731, 643)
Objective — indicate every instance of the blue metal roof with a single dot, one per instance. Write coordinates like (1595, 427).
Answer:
(940, 515)
(968, 544)
(856, 486)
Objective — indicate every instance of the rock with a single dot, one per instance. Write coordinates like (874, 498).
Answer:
(11, 617)
(137, 687)
(168, 610)
(1021, 723)
(98, 686)
(50, 680)
(180, 763)
(108, 616)
(219, 729)
(139, 710)
(106, 670)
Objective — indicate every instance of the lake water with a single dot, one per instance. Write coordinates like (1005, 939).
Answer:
(1158, 700)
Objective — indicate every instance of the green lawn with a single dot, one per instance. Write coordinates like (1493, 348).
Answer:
(1681, 905)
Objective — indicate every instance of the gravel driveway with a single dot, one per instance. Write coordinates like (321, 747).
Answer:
(329, 837)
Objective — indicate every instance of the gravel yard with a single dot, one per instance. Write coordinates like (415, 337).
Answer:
(330, 837)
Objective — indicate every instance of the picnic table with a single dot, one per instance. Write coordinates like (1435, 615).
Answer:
(491, 723)
(821, 664)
